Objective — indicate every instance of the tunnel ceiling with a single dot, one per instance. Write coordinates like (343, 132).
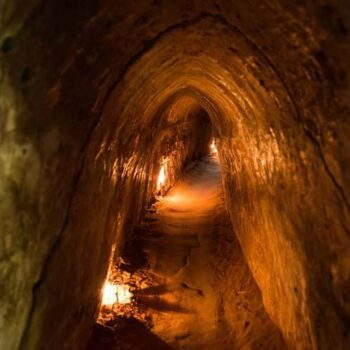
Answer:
(95, 94)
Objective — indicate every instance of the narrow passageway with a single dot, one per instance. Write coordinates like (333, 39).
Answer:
(105, 241)
(183, 253)
(184, 256)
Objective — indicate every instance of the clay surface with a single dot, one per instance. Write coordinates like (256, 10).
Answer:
(95, 94)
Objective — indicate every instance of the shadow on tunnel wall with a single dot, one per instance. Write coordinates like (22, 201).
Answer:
(131, 334)
(81, 138)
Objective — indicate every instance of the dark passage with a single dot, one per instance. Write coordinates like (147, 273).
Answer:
(194, 288)
(118, 230)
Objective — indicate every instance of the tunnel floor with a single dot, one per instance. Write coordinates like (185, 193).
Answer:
(179, 263)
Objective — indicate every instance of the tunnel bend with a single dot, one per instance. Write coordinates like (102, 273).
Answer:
(268, 141)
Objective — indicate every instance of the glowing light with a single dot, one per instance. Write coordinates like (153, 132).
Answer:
(115, 294)
(162, 175)
(109, 296)
(214, 149)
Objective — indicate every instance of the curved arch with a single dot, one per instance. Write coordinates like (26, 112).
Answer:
(89, 116)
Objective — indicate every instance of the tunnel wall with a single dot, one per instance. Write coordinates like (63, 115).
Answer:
(127, 174)
(274, 79)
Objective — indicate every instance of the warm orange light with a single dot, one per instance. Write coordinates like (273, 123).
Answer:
(109, 294)
(115, 293)
(214, 149)
(162, 175)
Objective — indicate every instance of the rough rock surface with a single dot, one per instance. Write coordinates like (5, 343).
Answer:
(198, 292)
(94, 93)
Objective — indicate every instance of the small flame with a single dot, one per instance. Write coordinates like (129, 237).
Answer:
(213, 147)
(161, 176)
(115, 293)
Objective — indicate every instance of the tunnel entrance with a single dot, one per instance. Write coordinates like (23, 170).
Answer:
(170, 280)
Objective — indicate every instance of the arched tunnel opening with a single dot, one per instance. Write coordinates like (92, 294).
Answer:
(168, 285)
(174, 175)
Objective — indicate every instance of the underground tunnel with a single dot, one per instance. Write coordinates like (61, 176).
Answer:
(174, 174)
